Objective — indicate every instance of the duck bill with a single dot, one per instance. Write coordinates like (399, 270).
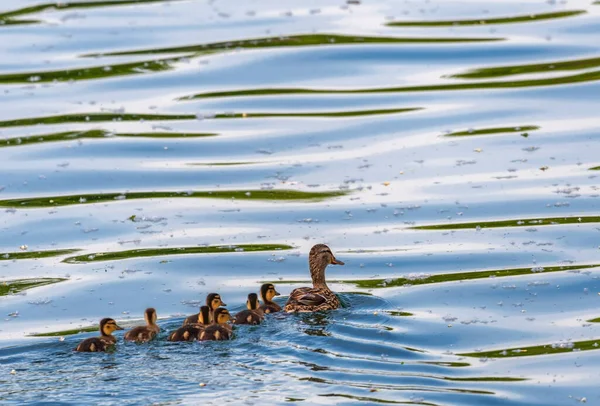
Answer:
(335, 261)
(118, 327)
(277, 293)
(223, 304)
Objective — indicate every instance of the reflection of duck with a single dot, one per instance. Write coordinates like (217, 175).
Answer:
(319, 297)
(252, 315)
(267, 293)
(145, 333)
(192, 331)
(219, 329)
(102, 343)
(213, 301)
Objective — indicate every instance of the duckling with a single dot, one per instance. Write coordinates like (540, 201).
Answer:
(319, 297)
(267, 293)
(219, 329)
(102, 343)
(253, 315)
(142, 334)
(191, 332)
(213, 301)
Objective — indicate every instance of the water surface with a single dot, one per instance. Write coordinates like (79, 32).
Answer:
(154, 151)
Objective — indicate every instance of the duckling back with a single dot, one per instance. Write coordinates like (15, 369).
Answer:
(271, 307)
(216, 332)
(95, 344)
(141, 334)
(252, 317)
(189, 332)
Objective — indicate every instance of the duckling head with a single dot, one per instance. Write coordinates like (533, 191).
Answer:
(222, 315)
(204, 315)
(213, 300)
(150, 316)
(268, 292)
(107, 326)
(319, 258)
(252, 302)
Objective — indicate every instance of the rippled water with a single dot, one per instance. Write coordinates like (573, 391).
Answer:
(154, 151)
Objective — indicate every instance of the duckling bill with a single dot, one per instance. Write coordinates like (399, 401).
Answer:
(104, 342)
(192, 331)
(219, 329)
(267, 293)
(253, 315)
(142, 334)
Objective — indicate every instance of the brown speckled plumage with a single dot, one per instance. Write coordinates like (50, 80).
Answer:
(213, 301)
(319, 297)
(192, 331)
(252, 315)
(142, 334)
(219, 329)
(105, 342)
(267, 293)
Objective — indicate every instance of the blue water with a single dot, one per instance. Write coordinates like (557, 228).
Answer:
(396, 341)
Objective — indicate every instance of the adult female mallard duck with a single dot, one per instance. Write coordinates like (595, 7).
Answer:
(319, 297)
(267, 293)
(213, 301)
(252, 315)
(142, 334)
(192, 331)
(219, 329)
(102, 343)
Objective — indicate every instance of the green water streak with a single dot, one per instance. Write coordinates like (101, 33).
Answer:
(93, 72)
(268, 195)
(595, 168)
(376, 400)
(10, 21)
(500, 130)
(551, 221)
(502, 71)
(223, 163)
(91, 134)
(67, 332)
(399, 314)
(161, 252)
(74, 5)
(449, 277)
(93, 118)
(302, 40)
(513, 84)
(546, 349)
(19, 285)
(460, 276)
(330, 114)
(529, 18)
(9, 256)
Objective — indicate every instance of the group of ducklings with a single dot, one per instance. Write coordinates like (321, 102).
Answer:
(212, 321)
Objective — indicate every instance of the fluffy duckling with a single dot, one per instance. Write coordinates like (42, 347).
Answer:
(253, 315)
(319, 297)
(213, 301)
(191, 331)
(219, 329)
(102, 343)
(267, 293)
(142, 334)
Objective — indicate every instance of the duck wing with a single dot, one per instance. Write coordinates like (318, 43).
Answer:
(307, 297)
